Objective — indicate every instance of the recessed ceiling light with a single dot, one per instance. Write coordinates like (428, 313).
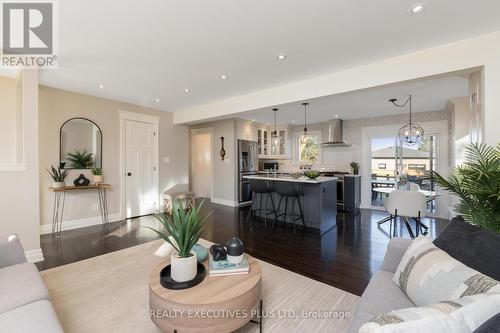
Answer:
(293, 121)
(267, 124)
(101, 86)
(281, 56)
(416, 8)
(253, 120)
(336, 116)
(157, 100)
(186, 90)
(223, 77)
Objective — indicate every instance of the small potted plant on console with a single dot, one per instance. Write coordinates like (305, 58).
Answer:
(58, 176)
(98, 177)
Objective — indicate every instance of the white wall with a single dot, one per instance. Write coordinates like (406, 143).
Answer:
(19, 197)
(7, 121)
(57, 106)
(468, 53)
(225, 179)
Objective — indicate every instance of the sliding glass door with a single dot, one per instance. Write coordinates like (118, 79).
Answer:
(390, 158)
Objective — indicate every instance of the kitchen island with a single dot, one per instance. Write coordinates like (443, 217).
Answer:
(319, 202)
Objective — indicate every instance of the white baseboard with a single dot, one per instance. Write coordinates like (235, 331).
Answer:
(34, 255)
(75, 224)
(225, 202)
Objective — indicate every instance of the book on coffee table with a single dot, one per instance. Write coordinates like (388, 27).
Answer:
(224, 267)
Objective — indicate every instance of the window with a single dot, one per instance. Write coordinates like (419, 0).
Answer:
(309, 152)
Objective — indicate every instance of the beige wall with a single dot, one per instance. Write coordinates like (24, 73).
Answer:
(7, 121)
(56, 106)
(19, 195)
(225, 180)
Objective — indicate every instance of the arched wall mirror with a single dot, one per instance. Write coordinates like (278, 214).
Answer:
(80, 144)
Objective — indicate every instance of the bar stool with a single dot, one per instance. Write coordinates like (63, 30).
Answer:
(287, 191)
(262, 188)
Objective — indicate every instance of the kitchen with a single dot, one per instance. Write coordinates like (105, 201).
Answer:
(279, 156)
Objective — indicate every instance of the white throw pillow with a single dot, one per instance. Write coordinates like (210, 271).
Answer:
(461, 316)
(427, 274)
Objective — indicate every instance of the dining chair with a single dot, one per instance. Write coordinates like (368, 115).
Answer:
(406, 204)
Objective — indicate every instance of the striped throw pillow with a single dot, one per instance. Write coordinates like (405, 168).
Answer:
(459, 316)
(427, 275)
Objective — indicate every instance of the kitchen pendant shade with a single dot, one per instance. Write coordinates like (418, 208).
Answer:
(275, 138)
(304, 138)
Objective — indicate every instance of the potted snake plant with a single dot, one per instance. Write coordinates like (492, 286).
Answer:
(185, 229)
(58, 176)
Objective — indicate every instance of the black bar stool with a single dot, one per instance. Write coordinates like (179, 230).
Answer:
(291, 191)
(262, 188)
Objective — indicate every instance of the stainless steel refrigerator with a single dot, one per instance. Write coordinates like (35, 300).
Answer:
(248, 164)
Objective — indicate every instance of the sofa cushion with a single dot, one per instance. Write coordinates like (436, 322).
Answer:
(381, 296)
(474, 247)
(458, 316)
(19, 285)
(34, 317)
(428, 275)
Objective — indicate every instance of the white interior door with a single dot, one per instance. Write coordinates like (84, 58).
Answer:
(201, 164)
(140, 168)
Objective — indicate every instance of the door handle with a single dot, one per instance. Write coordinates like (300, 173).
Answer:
(129, 174)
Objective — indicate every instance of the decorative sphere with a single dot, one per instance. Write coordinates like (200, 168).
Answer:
(411, 134)
(201, 253)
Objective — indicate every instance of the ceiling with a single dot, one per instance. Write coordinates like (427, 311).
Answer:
(427, 95)
(149, 49)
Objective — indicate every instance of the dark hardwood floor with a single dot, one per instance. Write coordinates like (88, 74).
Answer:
(345, 257)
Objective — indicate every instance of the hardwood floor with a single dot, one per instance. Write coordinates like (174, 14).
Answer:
(345, 257)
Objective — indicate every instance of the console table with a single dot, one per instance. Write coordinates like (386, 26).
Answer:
(60, 198)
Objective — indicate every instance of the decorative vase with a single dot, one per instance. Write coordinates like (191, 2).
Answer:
(183, 269)
(58, 184)
(234, 250)
(81, 181)
(98, 179)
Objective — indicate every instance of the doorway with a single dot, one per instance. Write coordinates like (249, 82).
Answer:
(201, 163)
(139, 164)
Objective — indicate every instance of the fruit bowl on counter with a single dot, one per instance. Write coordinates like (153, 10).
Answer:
(312, 174)
(295, 175)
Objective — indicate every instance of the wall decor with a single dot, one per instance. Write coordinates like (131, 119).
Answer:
(222, 150)
(81, 181)
(80, 142)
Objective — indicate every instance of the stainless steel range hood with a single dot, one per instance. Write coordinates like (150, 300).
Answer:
(335, 134)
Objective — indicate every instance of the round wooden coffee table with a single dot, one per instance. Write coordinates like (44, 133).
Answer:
(217, 304)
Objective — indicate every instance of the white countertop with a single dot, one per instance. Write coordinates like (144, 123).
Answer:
(301, 179)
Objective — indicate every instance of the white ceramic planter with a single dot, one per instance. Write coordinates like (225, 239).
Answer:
(98, 179)
(58, 184)
(183, 269)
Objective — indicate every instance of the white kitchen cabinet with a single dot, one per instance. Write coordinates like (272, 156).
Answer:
(265, 145)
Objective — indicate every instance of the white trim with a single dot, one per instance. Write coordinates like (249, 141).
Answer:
(34, 255)
(225, 202)
(195, 131)
(132, 116)
(4, 168)
(438, 128)
(80, 223)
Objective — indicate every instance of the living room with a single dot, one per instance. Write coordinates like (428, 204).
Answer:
(120, 123)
